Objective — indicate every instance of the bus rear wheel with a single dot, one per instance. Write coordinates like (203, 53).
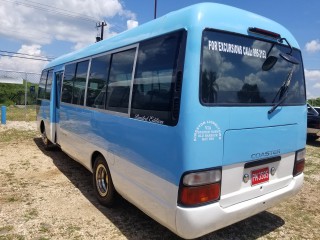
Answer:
(102, 182)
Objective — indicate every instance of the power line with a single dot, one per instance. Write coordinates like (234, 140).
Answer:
(60, 11)
(30, 58)
(63, 10)
(51, 9)
(25, 54)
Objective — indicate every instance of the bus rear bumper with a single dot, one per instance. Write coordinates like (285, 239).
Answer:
(196, 222)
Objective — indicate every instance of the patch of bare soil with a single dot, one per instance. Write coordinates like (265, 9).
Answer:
(19, 125)
(47, 195)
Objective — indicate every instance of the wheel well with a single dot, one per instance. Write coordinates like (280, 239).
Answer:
(94, 157)
(42, 128)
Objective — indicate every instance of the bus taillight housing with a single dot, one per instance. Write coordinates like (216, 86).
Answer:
(299, 162)
(201, 187)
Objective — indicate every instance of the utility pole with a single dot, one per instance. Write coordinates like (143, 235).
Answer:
(102, 25)
(155, 9)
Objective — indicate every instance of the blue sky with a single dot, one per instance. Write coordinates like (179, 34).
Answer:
(42, 28)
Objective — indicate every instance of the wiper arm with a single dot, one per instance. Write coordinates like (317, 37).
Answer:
(274, 107)
(283, 91)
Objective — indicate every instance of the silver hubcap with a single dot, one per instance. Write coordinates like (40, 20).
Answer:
(102, 180)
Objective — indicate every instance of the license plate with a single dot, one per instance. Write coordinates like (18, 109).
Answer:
(259, 176)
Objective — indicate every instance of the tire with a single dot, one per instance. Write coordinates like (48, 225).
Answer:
(312, 137)
(46, 142)
(102, 183)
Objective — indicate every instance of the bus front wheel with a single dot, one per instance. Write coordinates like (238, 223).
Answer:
(46, 142)
(102, 182)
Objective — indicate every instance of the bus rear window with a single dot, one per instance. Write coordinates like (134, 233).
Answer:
(232, 73)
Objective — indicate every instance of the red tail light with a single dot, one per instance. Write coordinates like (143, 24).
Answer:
(200, 187)
(199, 195)
(299, 162)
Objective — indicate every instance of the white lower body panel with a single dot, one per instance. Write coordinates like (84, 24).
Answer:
(196, 222)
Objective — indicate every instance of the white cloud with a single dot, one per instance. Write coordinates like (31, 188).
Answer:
(313, 46)
(313, 83)
(21, 64)
(132, 24)
(312, 75)
(35, 26)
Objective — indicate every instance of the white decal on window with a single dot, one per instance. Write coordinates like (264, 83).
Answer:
(236, 49)
(148, 119)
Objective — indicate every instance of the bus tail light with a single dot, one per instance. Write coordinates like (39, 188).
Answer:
(299, 162)
(198, 188)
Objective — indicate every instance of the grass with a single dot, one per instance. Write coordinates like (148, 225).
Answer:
(5, 233)
(6, 229)
(16, 135)
(12, 237)
(13, 199)
(44, 228)
(31, 214)
(19, 113)
(303, 209)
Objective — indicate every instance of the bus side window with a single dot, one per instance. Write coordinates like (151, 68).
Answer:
(79, 84)
(48, 85)
(118, 89)
(67, 87)
(155, 78)
(42, 85)
(97, 85)
(58, 76)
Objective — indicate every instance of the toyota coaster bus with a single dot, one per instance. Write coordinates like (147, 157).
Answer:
(198, 117)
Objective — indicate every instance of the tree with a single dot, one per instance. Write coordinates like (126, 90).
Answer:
(314, 102)
(11, 94)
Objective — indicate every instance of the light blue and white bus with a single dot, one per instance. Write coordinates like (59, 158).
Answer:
(198, 117)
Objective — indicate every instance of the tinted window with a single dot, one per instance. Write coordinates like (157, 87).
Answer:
(79, 84)
(234, 71)
(42, 85)
(154, 80)
(48, 85)
(67, 87)
(118, 90)
(96, 92)
(58, 76)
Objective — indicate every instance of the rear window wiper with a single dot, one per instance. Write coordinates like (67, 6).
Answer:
(282, 92)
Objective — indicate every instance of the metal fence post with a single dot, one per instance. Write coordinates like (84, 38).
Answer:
(3, 115)
(25, 96)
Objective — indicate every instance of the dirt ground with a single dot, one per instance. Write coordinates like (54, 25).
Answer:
(47, 195)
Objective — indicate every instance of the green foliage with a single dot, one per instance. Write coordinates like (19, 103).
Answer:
(14, 94)
(20, 113)
(314, 102)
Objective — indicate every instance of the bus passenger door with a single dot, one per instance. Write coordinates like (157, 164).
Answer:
(58, 77)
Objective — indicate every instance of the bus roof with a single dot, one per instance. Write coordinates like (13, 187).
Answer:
(199, 16)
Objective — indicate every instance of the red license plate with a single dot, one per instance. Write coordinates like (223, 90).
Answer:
(259, 176)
